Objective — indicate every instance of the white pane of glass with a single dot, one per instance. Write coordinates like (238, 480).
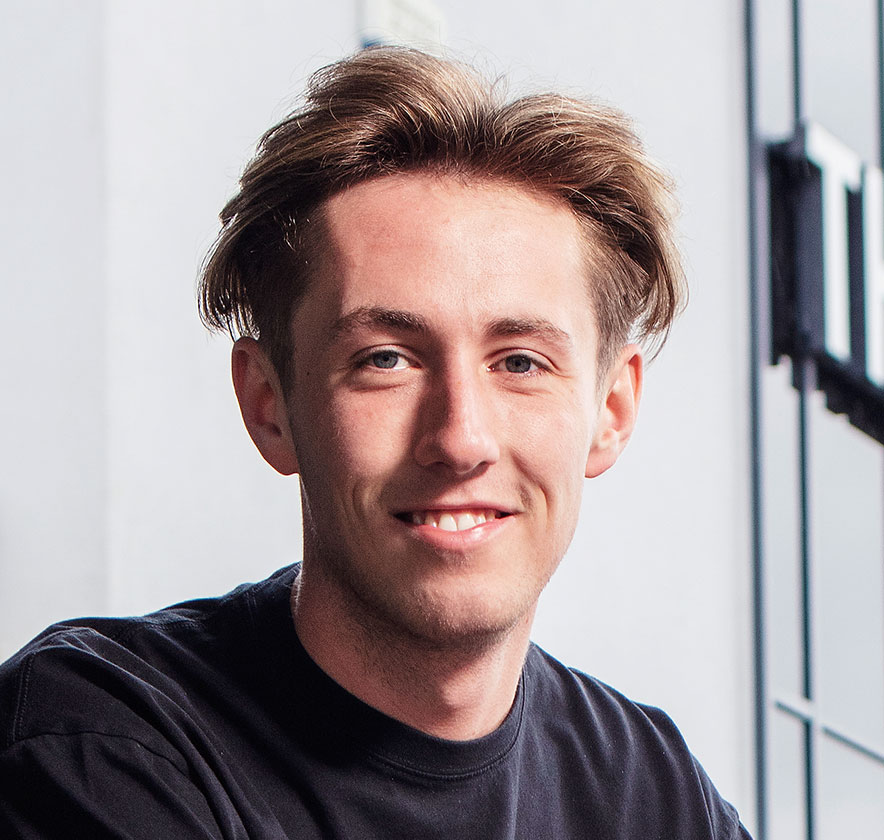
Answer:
(847, 540)
(773, 67)
(840, 64)
(782, 530)
(787, 809)
(851, 794)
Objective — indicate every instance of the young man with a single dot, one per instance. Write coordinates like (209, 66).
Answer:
(440, 299)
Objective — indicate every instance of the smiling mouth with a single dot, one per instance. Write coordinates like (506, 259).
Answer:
(451, 520)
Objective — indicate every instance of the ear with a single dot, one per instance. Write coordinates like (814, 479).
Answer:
(618, 410)
(262, 405)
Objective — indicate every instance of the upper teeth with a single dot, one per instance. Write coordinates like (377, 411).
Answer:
(453, 520)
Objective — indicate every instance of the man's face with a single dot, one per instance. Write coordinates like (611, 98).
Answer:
(443, 402)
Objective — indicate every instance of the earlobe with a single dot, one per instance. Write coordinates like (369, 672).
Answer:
(618, 411)
(262, 405)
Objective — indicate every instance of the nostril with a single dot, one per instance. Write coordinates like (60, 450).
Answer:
(457, 427)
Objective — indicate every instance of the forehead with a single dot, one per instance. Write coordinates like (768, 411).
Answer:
(420, 211)
(444, 246)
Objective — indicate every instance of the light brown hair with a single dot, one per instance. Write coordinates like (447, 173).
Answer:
(393, 110)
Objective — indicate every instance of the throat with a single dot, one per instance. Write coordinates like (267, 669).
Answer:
(448, 690)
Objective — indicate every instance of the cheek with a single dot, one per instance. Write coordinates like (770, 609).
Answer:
(368, 435)
(555, 438)
(554, 456)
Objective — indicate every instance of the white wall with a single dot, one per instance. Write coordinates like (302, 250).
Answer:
(127, 481)
(190, 87)
(53, 316)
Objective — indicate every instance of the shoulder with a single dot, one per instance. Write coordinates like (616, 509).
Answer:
(114, 721)
(105, 674)
(632, 745)
(587, 701)
(55, 683)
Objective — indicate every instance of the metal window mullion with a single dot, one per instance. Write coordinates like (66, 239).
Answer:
(810, 600)
(846, 740)
(759, 354)
(797, 64)
(880, 80)
(805, 381)
(805, 711)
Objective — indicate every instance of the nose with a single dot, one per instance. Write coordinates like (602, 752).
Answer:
(457, 426)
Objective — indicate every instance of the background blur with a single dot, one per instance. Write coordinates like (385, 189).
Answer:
(127, 481)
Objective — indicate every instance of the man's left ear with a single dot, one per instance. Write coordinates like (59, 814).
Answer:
(619, 407)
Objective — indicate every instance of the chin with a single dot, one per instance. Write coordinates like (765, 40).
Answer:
(453, 607)
(466, 621)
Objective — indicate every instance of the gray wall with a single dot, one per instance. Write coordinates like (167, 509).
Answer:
(127, 481)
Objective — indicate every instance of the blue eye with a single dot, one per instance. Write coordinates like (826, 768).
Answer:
(385, 359)
(518, 364)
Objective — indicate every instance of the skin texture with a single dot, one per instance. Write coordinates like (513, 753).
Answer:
(444, 362)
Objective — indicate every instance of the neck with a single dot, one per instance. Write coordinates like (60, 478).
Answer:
(456, 688)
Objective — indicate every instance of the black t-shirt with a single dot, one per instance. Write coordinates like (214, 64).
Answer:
(209, 720)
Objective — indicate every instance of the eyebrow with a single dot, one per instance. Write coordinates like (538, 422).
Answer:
(367, 317)
(537, 327)
(378, 316)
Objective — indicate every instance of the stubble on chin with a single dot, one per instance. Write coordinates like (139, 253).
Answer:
(399, 614)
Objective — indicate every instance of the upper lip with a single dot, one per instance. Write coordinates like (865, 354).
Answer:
(452, 507)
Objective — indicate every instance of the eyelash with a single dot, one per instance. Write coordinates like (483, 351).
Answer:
(365, 361)
(539, 367)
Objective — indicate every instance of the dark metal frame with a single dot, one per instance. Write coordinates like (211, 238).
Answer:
(808, 371)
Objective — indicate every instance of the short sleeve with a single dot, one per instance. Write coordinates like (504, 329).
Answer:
(97, 786)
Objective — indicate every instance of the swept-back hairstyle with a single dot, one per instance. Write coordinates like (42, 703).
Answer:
(395, 110)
